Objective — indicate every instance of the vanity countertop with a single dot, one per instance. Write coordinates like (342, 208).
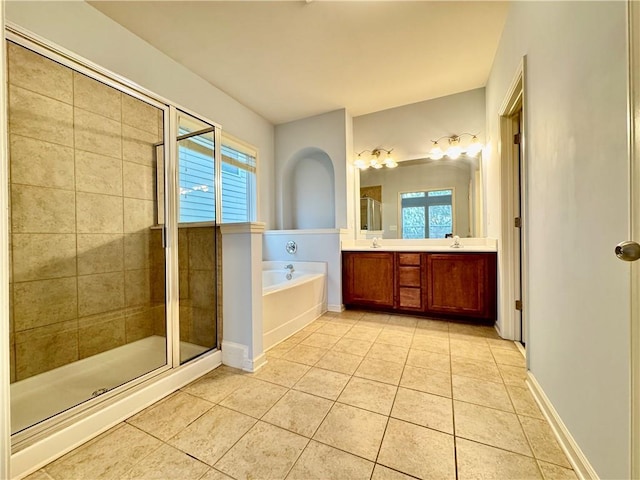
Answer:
(468, 245)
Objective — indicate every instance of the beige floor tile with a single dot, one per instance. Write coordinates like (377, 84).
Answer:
(264, 452)
(299, 412)
(502, 344)
(467, 367)
(471, 330)
(380, 371)
(339, 319)
(320, 340)
(417, 451)
(333, 328)
(298, 337)
(508, 357)
(323, 383)
(350, 314)
(279, 350)
(424, 409)
(374, 318)
(429, 381)
(523, 402)
(554, 472)
(353, 430)
(543, 442)
(363, 333)
(339, 362)
(255, 398)
(513, 375)
(430, 360)
(477, 461)
(430, 344)
(353, 346)
(167, 462)
(489, 426)
(210, 436)
(481, 392)
(282, 372)
(214, 474)
(39, 475)
(322, 462)
(473, 350)
(402, 321)
(169, 416)
(214, 386)
(305, 354)
(433, 325)
(373, 396)
(389, 353)
(380, 472)
(392, 337)
(95, 459)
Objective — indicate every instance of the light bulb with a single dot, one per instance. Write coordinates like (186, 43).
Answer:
(360, 163)
(454, 149)
(377, 165)
(474, 147)
(389, 162)
(436, 152)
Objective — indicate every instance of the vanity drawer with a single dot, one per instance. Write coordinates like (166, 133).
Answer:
(409, 258)
(409, 276)
(409, 297)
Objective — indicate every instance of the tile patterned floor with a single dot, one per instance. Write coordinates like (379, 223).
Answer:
(352, 396)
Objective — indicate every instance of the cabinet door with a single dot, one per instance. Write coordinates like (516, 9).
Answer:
(461, 284)
(368, 278)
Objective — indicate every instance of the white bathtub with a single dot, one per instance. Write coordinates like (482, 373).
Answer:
(289, 305)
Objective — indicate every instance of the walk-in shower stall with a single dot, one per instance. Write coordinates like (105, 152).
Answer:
(113, 241)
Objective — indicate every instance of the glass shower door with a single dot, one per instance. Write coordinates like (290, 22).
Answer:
(197, 236)
(87, 273)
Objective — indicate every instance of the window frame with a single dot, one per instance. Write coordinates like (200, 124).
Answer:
(426, 191)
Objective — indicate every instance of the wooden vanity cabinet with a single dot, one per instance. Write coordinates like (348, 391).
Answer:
(368, 278)
(450, 285)
(461, 284)
(409, 280)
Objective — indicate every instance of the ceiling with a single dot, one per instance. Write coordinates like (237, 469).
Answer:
(293, 59)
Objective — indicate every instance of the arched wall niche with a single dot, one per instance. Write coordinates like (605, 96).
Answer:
(308, 190)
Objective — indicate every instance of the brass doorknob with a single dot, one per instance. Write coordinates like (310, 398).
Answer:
(628, 251)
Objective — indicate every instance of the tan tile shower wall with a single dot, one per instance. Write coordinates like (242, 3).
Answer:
(82, 182)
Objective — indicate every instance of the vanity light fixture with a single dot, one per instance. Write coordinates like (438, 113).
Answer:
(375, 161)
(454, 149)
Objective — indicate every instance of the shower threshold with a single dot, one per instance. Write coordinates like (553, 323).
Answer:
(47, 394)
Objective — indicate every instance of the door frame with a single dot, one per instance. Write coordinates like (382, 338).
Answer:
(514, 100)
(634, 188)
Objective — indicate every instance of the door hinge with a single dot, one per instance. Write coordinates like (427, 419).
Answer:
(517, 222)
(516, 139)
(519, 305)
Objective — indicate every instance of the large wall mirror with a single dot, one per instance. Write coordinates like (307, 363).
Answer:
(423, 198)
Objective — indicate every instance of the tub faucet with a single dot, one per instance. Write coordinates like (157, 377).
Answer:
(290, 268)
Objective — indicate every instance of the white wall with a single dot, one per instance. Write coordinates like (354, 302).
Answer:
(327, 132)
(80, 28)
(309, 196)
(576, 150)
(409, 129)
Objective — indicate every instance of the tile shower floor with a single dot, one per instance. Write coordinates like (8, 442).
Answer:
(352, 396)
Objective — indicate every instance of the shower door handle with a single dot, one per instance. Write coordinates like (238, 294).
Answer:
(165, 242)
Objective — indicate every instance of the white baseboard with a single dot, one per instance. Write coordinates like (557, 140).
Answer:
(335, 308)
(576, 457)
(253, 365)
(236, 355)
(93, 423)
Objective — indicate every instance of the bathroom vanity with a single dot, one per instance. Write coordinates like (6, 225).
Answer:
(444, 283)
